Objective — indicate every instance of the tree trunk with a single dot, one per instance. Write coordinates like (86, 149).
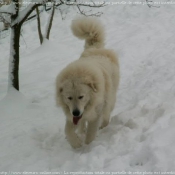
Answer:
(14, 51)
(39, 26)
(49, 26)
(14, 47)
(14, 57)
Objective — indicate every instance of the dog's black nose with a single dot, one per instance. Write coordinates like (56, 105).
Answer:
(76, 112)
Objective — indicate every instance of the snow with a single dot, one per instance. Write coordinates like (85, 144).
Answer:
(140, 138)
(1, 26)
(8, 9)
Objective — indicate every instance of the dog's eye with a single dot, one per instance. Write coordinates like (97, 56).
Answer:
(80, 97)
(70, 98)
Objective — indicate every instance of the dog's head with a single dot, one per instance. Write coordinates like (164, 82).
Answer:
(76, 96)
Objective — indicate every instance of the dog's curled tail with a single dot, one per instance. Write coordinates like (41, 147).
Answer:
(90, 29)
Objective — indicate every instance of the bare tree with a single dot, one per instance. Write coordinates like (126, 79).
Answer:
(55, 6)
(17, 20)
(16, 24)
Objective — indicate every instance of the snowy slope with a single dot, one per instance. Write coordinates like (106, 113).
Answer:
(141, 135)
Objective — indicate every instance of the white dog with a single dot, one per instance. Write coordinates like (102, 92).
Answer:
(86, 88)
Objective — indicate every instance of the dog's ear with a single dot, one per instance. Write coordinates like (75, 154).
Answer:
(93, 86)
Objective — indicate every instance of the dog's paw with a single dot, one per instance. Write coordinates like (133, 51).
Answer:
(104, 124)
(76, 142)
(89, 139)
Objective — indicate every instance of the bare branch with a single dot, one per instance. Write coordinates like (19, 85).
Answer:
(28, 10)
(24, 14)
(49, 26)
(58, 4)
(95, 5)
(61, 13)
(89, 5)
(8, 13)
(86, 4)
(39, 25)
(92, 14)
(62, 2)
(7, 23)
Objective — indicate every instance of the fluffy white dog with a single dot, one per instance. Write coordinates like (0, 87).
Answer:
(86, 88)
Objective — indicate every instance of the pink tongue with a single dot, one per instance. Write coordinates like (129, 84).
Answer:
(76, 119)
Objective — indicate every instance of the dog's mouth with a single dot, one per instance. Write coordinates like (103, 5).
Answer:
(76, 119)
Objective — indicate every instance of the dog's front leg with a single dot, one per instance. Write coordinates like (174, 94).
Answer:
(71, 136)
(91, 131)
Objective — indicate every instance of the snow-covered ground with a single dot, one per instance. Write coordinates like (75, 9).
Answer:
(140, 138)
(1, 26)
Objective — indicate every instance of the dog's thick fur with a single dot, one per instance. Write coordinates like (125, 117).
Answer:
(89, 84)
